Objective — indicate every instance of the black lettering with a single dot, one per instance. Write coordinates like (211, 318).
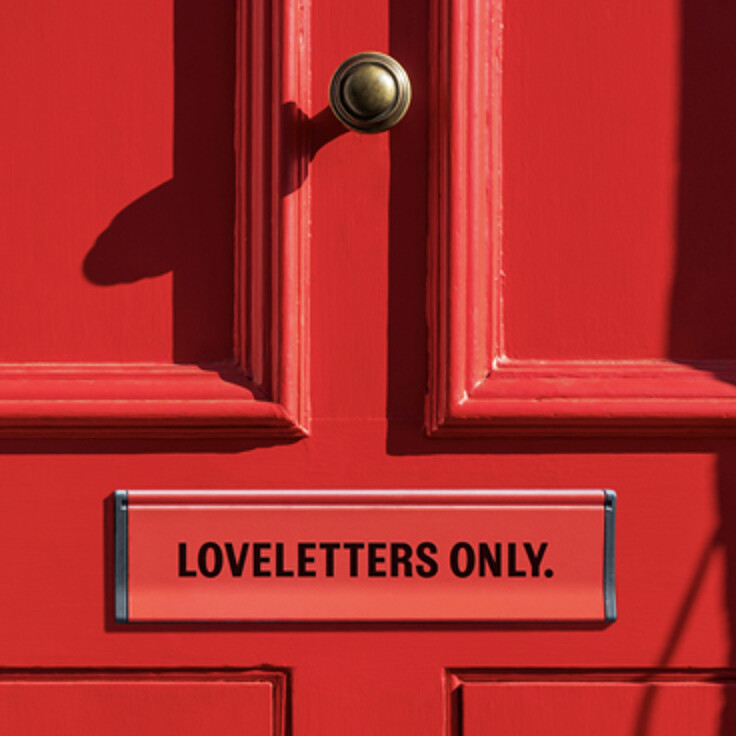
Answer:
(429, 566)
(353, 548)
(489, 559)
(329, 548)
(204, 568)
(183, 571)
(281, 571)
(514, 572)
(374, 560)
(260, 559)
(303, 559)
(467, 569)
(401, 555)
(535, 559)
(236, 564)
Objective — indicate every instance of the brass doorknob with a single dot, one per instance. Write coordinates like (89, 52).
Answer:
(370, 92)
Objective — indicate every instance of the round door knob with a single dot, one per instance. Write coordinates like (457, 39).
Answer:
(370, 92)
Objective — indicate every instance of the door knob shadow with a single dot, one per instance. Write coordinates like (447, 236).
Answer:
(184, 226)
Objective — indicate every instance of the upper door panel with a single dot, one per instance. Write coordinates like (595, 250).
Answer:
(155, 272)
(581, 262)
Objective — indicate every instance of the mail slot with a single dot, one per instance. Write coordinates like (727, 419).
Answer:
(365, 556)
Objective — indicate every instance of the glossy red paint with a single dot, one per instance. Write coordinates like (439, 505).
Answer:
(593, 358)
(602, 707)
(201, 268)
(213, 702)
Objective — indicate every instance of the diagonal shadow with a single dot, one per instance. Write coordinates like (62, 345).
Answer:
(703, 300)
(702, 314)
(185, 226)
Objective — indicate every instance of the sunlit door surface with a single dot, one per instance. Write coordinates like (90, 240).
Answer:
(208, 283)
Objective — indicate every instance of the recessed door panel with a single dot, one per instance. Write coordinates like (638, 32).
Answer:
(155, 277)
(654, 708)
(577, 219)
(223, 704)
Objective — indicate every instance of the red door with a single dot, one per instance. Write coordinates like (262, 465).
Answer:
(209, 284)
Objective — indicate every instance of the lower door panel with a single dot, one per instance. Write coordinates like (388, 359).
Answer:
(184, 704)
(654, 707)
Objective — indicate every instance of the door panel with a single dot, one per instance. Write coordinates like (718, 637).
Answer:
(227, 704)
(87, 126)
(157, 277)
(605, 708)
(554, 210)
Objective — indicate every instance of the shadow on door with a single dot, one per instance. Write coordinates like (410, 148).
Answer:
(702, 311)
(185, 225)
(703, 302)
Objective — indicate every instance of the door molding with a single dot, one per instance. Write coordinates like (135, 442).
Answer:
(262, 390)
(474, 389)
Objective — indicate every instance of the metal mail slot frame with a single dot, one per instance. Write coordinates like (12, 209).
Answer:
(415, 502)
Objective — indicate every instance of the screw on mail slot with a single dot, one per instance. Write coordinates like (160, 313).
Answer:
(365, 556)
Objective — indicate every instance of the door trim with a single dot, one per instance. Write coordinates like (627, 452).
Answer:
(474, 389)
(262, 390)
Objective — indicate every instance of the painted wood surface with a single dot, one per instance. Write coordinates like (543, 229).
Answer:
(207, 269)
(607, 708)
(186, 294)
(223, 702)
(567, 272)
